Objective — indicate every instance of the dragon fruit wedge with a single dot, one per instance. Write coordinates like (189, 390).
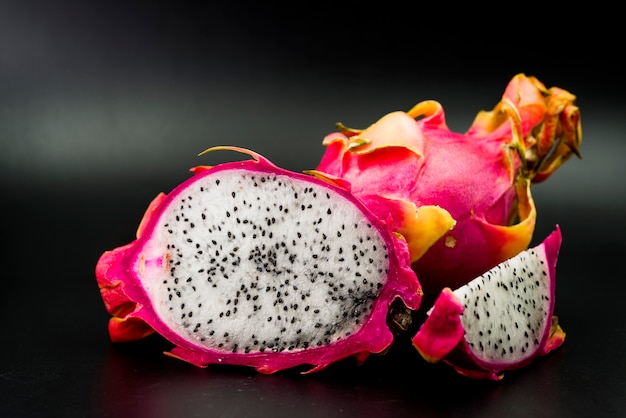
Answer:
(482, 178)
(248, 264)
(501, 320)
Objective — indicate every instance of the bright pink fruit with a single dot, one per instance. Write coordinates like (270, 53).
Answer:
(249, 264)
(482, 178)
(499, 321)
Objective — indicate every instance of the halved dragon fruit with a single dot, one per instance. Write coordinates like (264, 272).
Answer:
(482, 178)
(249, 264)
(501, 320)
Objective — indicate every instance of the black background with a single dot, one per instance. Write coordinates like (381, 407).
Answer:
(105, 104)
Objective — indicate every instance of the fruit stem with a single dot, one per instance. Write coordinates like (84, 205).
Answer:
(399, 317)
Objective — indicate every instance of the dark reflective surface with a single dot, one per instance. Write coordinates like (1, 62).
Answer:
(57, 358)
(102, 107)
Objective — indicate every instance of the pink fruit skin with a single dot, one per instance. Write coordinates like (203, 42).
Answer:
(119, 271)
(441, 336)
(482, 177)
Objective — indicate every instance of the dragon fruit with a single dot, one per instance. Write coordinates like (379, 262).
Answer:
(501, 320)
(481, 178)
(249, 264)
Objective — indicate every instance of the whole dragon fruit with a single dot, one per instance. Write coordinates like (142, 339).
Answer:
(501, 320)
(482, 178)
(249, 264)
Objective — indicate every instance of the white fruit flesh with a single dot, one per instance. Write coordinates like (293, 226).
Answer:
(506, 310)
(246, 261)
